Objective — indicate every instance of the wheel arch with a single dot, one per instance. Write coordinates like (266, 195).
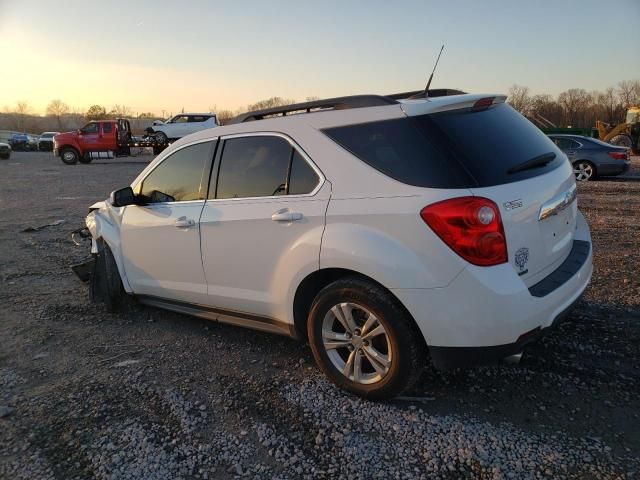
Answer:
(105, 232)
(69, 146)
(313, 283)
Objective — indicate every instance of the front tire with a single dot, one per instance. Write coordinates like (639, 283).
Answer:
(363, 340)
(69, 156)
(161, 138)
(622, 141)
(105, 283)
(584, 171)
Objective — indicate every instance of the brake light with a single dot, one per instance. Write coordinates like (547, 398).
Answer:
(619, 155)
(471, 227)
(483, 103)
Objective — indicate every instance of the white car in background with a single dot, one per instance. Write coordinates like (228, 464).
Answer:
(383, 230)
(181, 125)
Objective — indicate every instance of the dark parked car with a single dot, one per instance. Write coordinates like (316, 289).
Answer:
(592, 158)
(23, 142)
(5, 151)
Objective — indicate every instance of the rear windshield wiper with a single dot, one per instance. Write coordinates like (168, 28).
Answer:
(539, 161)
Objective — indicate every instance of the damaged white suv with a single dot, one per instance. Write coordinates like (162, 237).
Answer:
(385, 230)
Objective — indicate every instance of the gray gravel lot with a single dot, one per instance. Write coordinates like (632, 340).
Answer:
(150, 394)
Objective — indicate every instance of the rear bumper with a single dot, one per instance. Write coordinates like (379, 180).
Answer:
(489, 313)
(447, 358)
(617, 168)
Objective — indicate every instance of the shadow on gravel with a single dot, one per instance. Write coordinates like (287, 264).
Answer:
(581, 379)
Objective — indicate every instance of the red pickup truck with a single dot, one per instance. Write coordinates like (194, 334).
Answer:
(100, 136)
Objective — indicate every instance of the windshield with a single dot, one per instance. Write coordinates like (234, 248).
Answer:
(633, 116)
(47, 135)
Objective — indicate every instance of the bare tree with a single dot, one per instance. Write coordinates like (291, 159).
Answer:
(96, 112)
(629, 92)
(57, 109)
(23, 108)
(573, 102)
(519, 98)
(120, 111)
(224, 116)
(270, 103)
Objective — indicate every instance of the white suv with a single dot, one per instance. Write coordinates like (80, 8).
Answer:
(181, 125)
(383, 230)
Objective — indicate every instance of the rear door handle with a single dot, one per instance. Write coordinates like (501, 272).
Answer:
(184, 222)
(286, 216)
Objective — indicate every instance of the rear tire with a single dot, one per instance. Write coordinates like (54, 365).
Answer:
(69, 156)
(378, 366)
(584, 171)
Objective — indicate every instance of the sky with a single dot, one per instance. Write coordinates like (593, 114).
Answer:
(162, 56)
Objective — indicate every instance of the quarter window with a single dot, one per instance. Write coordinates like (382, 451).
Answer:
(179, 177)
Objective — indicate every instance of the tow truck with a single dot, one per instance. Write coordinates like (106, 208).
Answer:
(102, 137)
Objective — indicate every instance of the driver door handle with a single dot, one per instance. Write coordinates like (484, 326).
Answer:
(286, 216)
(184, 222)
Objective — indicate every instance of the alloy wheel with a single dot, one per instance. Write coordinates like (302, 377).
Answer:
(583, 171)
(357, 343)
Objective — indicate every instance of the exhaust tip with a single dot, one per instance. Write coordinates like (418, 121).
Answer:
(513, 359)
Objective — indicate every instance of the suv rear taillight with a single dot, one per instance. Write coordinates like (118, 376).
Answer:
(471, 227)
(619, 155)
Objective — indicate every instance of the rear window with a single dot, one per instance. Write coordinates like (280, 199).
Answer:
(458, 149)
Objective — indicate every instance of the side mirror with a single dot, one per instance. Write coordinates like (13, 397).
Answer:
(79, 131)
(122, 197)
(160, 197)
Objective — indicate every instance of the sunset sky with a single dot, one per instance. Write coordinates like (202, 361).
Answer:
(167, 55)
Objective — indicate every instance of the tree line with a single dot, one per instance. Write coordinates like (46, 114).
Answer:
(577, 107)
(574, 107)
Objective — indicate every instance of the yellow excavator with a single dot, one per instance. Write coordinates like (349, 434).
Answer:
(626, 134)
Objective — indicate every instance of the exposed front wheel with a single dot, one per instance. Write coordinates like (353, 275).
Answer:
(69, 156)
(363, 340)
(161, 138)
(583, 171)
(622, 141)
(105, 283)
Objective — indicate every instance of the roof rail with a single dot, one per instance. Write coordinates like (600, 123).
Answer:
(355, 101)
(338, 103)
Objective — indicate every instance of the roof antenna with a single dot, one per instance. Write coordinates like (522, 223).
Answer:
(426, 89)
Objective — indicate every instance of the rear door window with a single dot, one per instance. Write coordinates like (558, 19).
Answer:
(457, 149)
(253, 167)
(262, 166)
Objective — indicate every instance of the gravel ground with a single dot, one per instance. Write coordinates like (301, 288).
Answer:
(152, 394)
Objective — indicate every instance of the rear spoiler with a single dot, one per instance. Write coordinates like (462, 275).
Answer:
(453, 102)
